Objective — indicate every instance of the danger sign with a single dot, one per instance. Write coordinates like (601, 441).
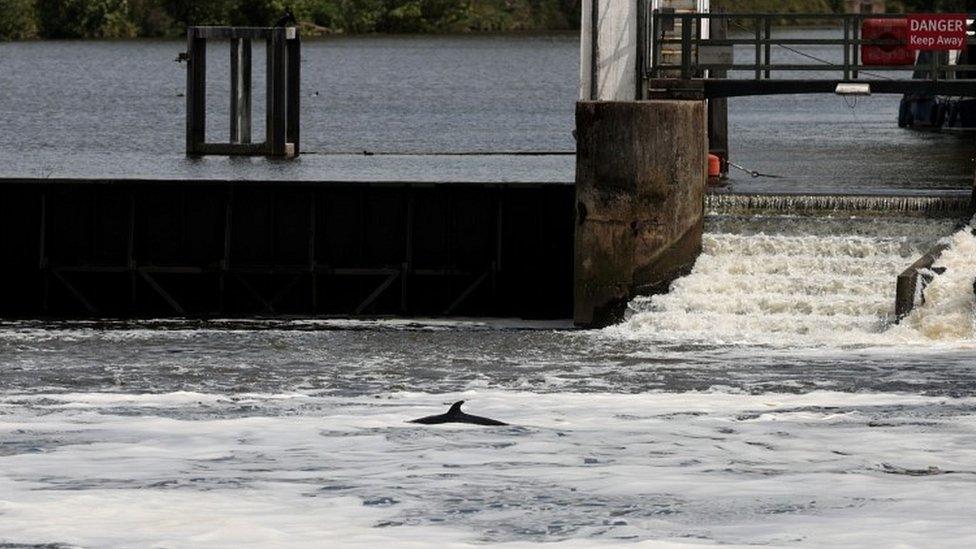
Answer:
(942, 31)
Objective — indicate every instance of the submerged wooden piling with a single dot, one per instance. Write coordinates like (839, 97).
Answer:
(240, 90)
(196, 93)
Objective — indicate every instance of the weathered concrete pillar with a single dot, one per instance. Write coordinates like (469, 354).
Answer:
(640, 189)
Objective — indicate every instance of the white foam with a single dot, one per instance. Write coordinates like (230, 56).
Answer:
(799, 284)
(949, 300)
(585, 470)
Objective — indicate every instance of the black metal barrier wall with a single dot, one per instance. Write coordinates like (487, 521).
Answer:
(129, 249)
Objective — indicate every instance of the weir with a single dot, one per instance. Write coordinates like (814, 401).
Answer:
(943, 205)
(162, 248)
(631, 225)
(783, 279)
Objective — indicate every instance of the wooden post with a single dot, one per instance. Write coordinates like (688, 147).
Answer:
(240, 90)
(276, 112)
(294, 92)
(196, 92)
(282, 108)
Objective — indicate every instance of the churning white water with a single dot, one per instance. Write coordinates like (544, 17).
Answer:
(947, 312)
(755, 404)
(788, 280)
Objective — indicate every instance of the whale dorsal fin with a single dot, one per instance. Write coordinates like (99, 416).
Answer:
(455, 408)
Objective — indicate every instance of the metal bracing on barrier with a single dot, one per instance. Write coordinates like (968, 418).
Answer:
(283, 76)
(119, 249)
(685, 66)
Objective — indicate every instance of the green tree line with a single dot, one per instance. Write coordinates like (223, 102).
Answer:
(26, 19)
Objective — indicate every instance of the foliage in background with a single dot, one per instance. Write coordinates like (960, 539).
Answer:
(23, 19)
(18, 19)
(84, 19)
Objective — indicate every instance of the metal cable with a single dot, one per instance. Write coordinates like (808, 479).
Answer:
(752, 173)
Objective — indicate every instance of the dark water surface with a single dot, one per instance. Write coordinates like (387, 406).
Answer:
(117, 109)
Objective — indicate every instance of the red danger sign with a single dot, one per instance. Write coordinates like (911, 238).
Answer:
(942, 31)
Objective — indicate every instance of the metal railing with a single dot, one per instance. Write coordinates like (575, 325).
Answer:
(756, 34)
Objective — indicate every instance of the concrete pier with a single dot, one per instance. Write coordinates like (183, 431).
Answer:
(640, 187)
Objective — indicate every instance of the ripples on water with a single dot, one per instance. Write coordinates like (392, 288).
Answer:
(763, 401)
(116, 109)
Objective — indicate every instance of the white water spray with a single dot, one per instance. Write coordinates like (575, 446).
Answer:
(801, 281)
(947, 312)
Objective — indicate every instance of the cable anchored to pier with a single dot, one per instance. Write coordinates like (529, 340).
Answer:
(752, 173)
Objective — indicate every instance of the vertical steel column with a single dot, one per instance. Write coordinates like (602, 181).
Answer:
(294, 86)
(685, 47)
(225, 259)
(847, 48)
(768, 46)
(759, 50)
(856, 45)
(655, 53)
(276, 111)
(312, 265)
(594, 49)
(697, 45)
(240, 90)
(641, 49)
(42, 261)
(407, 264)
(130, 255)
(196, 91)
(718, 108)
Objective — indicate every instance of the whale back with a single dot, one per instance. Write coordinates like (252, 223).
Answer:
(455, 415)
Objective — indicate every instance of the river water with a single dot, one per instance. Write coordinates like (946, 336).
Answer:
(117, 109)
(768, 399)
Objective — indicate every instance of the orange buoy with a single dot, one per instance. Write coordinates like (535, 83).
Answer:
(714, 165)
(715, 171)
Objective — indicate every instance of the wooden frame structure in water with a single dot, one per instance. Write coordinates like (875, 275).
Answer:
(282, 99)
